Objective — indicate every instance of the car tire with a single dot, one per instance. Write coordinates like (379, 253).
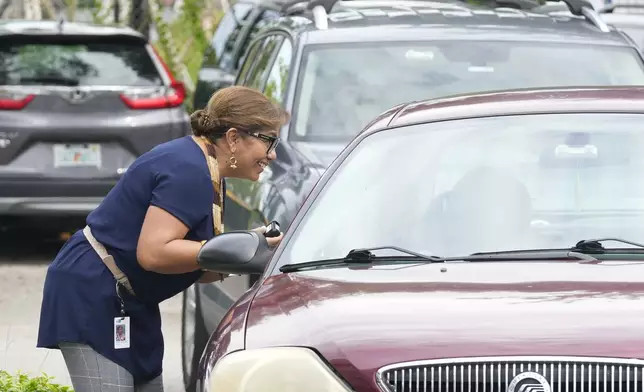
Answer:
(194, 337)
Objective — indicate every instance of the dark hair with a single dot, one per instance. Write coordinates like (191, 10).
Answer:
(237, 107)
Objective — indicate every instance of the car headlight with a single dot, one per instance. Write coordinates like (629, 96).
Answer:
(278, 369)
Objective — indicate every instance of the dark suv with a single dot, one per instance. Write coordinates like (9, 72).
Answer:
(336, 66)
(78, 103)
(336, 71)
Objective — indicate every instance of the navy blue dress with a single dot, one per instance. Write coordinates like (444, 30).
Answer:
(80, 302)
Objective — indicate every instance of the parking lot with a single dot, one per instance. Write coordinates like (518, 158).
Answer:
(23, 265)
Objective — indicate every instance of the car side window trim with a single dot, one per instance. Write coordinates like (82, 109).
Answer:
(287, 40)
(243, 37)
(291, 83)
(278, 39)
(243, 77)
(246, 39)
(259, 40)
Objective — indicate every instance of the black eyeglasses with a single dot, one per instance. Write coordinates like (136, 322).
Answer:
(272, 141)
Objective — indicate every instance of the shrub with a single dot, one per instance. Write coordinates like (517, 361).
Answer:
(22, 382)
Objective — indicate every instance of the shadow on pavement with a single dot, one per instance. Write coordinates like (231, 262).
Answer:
(29, 245)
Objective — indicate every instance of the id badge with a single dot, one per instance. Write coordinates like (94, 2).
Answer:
(121, 332)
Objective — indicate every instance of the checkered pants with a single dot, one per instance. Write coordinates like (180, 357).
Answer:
(92, 372)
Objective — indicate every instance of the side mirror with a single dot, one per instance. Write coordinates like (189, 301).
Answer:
(236, 252)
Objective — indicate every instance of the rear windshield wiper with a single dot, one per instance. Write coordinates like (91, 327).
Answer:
(366, 256)
(52, 80)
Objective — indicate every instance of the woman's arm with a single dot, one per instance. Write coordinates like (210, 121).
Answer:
(161, 247)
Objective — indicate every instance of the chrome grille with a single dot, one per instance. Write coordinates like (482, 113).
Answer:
(499, 374)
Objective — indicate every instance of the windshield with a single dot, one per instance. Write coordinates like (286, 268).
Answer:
(82, 63)
(482, 185)
(371, 78)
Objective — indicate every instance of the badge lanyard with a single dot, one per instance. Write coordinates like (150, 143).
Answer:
(121, 324)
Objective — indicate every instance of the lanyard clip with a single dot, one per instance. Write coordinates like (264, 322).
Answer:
(118, 294)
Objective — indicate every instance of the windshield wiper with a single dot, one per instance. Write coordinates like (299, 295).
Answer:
(594, 246)
(366, 256)
(583, 250)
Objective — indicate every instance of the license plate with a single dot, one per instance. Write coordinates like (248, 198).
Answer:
(72, 155)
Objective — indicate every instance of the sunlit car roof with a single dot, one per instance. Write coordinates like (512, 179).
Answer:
(515, 102)
(374, 21)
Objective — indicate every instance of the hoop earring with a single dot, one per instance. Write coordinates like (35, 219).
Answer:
(232, 162)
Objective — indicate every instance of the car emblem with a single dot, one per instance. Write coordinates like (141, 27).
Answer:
(5, 138)
(529, 382)
(78, 96)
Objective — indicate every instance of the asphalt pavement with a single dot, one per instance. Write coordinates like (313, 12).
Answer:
(23, 265)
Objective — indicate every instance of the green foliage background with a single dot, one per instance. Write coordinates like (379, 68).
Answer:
(23, 383)
(188, 37)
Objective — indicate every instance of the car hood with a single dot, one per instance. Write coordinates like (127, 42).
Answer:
(319, 155)
(363, 319)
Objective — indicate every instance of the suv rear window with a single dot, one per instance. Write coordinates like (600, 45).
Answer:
(80, 63)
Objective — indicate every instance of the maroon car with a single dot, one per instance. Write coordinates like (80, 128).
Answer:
(487, 242)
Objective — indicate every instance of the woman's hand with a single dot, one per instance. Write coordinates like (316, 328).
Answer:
(211, 276)
(272, 241)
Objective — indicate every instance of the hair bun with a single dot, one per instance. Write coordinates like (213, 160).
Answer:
(201, 122)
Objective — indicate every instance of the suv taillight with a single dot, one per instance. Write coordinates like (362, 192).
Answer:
(14, 101)
(170, 97)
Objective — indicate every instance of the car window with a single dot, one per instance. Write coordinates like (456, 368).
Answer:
(226, 35)
(485, 184)
(247, 66)
(375, 77)
(278, 73)
(257, 76)
(82, 63)
(266, 17)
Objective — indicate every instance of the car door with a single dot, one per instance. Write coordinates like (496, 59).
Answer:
(243, 197)
(216, 298)
(218, 67)
(289, 178)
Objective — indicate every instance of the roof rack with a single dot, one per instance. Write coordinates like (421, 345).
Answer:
(289, 6)
(576, 7)
(520, 4)
(319, 8)
(609, 8)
